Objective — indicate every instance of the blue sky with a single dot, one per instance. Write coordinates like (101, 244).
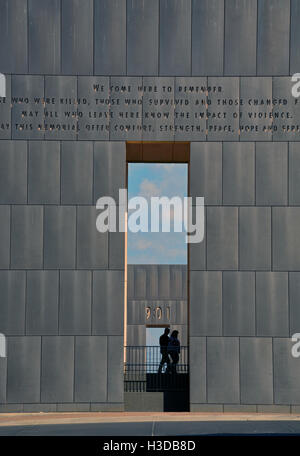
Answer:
(153, 179)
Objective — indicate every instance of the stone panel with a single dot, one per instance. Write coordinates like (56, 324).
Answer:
(92, 246)
(238, 173)
(152, 281)
(198, 369)
(179, 311)
(207, 37)
(285, 238)
(206, 172)
(13, 172)
(177, 281)
(273, 37)
(223, 370)
(59, 237)
(175, 37)
(27, 237)
(12, 309)
(3, 379)
(42, 303)
(75, 302)
(238, 303)
(44, 172)
(139, 281)
(23, 369)
(77, 173)
(272, 315)
(256, 370)
(57, 379)
(136, 312)
(271, 174)
(108, 303)
(205, 303)
(115, 369)
(142, 28)
(295, 37)
(255, 238)
(240, 37)
(110, 37)
(116, 252)
(197, 255)
(294, 174)
(222, 238)
(44, 36)
(4, 237)
(90, 369)
(164, 281)
(77, 36)
(13, 26)
(109, 169)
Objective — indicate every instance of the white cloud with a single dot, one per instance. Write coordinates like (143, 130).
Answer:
(166, 166)
(142, 244)
(148, 189)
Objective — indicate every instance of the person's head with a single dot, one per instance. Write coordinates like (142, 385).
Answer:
(167, 331)
(174, 334)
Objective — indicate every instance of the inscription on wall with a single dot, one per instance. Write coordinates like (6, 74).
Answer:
(150, 108)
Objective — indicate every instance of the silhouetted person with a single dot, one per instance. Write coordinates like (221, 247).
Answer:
(174, 350)
(164, 342)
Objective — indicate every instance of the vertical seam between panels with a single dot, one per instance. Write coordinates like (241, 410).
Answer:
(290, 38)
(126, 66)
(256, 47)
(191, 42)
(158, 41)
(27, 17)
(224, 35)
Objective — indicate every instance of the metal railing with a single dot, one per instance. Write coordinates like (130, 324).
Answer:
(143, 370)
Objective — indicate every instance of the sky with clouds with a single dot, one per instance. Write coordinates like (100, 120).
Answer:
(156, 179)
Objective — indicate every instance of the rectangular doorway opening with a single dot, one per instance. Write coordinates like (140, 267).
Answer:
(156, 375)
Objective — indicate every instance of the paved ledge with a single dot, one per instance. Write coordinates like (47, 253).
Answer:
(31, 419)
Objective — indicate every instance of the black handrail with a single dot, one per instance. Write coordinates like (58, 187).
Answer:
(143, 370)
